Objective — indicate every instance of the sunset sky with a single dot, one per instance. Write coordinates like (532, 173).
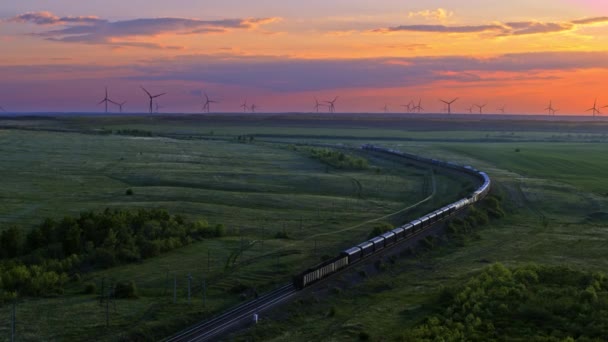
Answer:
(59, 55)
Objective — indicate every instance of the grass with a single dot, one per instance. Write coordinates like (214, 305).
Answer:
(550, 190)
(255, 190)
(554, 194)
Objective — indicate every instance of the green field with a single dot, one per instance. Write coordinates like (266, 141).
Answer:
(550, 176)
(255, 190)
(556, 200)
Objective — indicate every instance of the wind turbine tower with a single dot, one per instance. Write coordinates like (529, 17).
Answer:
(317, 105)
(106, 100)
(244, 106)
(419, 106)
(481, 107)
(152, 97)
(449, 104)
(550, 109)
(332, 105)
(594, 108)
(208, 103)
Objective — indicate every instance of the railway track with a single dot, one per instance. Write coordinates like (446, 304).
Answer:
(207, 330)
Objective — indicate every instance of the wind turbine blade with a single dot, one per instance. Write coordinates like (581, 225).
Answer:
(102, 101)
(159, 95)
(144, 89)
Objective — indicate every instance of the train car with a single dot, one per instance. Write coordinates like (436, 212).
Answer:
(320, 271)
(378, 242)
(389, 238)
(416, 225)
(367, 248)
(353, 254)
(399, 233)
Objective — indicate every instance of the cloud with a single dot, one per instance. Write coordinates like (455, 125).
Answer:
(283, 74)
(438, 14)
(518, 28)
(588, 21)
(47, 18)
(92, 30)
(441, 28)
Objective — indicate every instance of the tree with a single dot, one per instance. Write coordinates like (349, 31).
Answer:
(11, 242)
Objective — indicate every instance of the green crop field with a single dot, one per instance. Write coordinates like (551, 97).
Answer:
(550, 176)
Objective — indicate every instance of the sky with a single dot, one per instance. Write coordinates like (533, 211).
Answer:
(516, 55)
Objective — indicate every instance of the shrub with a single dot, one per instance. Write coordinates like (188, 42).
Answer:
(125, 290)
(90, 288)
(129, 192)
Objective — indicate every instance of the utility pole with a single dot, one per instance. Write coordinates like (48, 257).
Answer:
(174, 288)
(13, 320)
(101, 294)
(108, 309)
(204, 287)
(189, 286)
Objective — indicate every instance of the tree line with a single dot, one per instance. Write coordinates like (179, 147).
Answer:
(524, 303)
(41, 262)
(334, 158)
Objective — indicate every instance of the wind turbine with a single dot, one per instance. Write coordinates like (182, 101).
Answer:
(317, 105)
(594, 108)
(253, 108)
(332, 105)
(158, 107)
(244, 106)
(449, 103)
(550, 109)
(419, 106)
(152, 97)
(470, 109)
(385, 108)
(481, 107)
(208, 103)
(407, 107)
(502, 109)
(119, 104)
(106, 100)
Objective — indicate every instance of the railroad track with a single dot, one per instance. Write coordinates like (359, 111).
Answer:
(207, 330)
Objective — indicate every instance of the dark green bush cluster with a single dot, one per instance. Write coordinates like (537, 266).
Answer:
(126, 290)
(134, 132)
(379, 229)
(336, 159)
(29, 280)
(477, 216)
(37, 263)
(528, 303)
(245, 138)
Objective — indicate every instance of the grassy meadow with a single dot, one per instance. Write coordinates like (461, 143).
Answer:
(256, 190)
(550, 176)
(557, 203)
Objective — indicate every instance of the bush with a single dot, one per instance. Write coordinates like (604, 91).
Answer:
(90, 288)
(126, 290)
(281, 235)
(129, 192)
(379, 229)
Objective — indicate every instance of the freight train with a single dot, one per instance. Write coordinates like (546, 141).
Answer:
(381, 242)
